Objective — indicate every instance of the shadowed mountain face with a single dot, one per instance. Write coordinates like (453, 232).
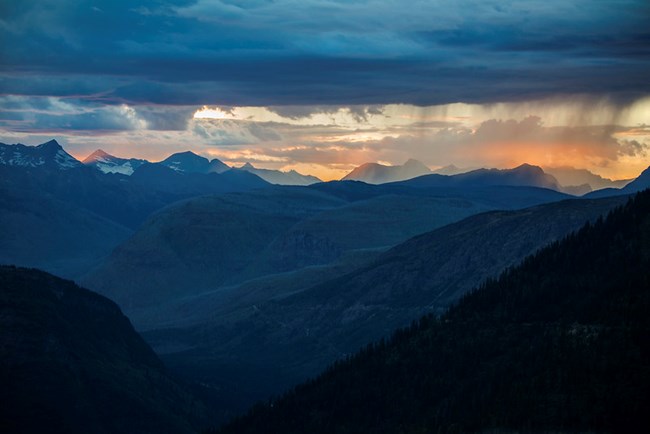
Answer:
(70, 362)
(375, 173)
(560, 343)
(254, 344)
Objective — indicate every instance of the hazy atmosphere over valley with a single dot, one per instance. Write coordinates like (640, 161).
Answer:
(324, 216)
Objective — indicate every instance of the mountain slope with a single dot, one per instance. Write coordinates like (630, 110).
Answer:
(70, 362)
(559, 343)
(640, 183)
(59, 237)
(279, 177)
(375, 173)
(110, 164)
(201, 244)
(254, 344)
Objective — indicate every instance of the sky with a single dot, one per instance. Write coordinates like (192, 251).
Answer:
(322, 86)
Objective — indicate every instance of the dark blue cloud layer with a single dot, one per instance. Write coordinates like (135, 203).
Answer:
(310, 52)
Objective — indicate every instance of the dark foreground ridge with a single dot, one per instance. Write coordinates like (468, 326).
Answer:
(70, 362)
(559, 343)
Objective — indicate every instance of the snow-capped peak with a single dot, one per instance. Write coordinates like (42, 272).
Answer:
(49, 154)
(108, 163)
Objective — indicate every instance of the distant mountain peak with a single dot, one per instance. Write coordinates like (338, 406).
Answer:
(108, 163)
(187, 161)
(47, 155)
(99, 153)
(188, 154)
(248, 165)
(376, 173)
(49, 145)
(411, 162)
(452, 169)
(529, 167)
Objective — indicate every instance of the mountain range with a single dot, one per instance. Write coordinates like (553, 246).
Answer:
(301, 324)
(524, 175)
(64, 216)
(189, 162)
(244, 288)
(566, 179)
(203, 243)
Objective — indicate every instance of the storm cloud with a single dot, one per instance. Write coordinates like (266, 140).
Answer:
(311, 52)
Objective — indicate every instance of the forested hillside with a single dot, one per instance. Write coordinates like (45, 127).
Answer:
(559, 343)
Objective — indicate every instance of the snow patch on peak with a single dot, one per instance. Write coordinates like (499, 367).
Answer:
(49, 154)
(65, 160)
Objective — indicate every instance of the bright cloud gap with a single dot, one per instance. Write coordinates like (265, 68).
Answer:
(328, 141)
